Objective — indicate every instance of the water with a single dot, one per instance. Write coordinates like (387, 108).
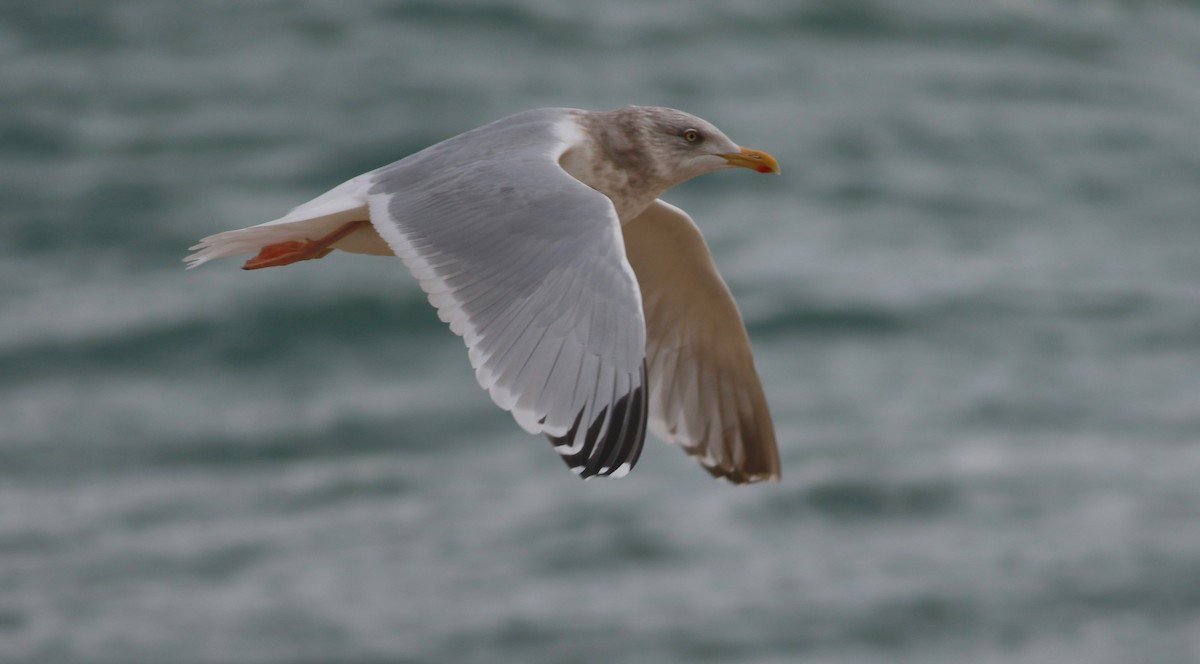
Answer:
(974, 298)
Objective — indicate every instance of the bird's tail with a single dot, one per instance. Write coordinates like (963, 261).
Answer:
(324, 214)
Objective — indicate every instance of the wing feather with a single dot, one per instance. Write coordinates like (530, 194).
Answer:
(705, 394)
(527, 264)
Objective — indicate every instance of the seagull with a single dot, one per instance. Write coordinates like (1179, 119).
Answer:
(591, 309)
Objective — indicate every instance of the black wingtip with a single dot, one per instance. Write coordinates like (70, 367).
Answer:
(741, 476)
(621, 444)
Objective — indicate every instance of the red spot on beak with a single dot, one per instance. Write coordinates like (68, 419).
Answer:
(756, 160)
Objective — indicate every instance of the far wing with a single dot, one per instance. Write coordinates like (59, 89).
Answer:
(705, 395)
(526, 263)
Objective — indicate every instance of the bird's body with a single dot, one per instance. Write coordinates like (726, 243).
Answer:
(590, 308)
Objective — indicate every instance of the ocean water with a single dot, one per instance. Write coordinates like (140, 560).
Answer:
(974, 298)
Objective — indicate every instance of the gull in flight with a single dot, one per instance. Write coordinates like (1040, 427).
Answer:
(591, 309)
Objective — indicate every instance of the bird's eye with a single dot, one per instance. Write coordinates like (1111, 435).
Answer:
(691, 135)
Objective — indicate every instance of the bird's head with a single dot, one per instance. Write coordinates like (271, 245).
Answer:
(694, 146)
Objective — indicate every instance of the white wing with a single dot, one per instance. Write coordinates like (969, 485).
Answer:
(527, 264)
(705, 395)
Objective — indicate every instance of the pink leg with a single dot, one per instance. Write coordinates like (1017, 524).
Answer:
(293, 251)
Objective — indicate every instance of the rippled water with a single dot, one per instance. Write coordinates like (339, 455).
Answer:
(974, 298)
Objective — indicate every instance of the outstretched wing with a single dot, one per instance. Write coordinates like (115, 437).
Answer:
(528, 265)
(705, 395)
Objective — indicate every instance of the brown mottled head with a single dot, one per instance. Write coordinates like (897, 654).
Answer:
(634, 154)
(665, 144)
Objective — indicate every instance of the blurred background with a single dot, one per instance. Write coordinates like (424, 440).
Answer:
(974, 298)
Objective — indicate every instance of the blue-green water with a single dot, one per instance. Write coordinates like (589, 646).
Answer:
(974, 298)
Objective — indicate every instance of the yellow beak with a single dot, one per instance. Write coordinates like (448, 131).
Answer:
(754, 159)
